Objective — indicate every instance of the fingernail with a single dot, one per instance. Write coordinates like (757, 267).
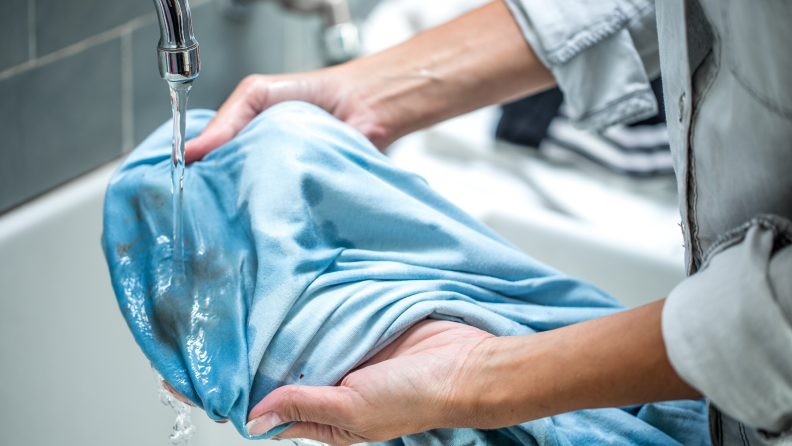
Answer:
(263, 424)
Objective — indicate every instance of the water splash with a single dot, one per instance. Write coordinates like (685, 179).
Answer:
(179, 92)
(183, 428)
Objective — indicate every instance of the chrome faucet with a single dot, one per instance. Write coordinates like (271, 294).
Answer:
(341, 37)
(177, 50)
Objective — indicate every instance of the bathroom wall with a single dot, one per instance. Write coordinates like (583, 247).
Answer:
(79, 84)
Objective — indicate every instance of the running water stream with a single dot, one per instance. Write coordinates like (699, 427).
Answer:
(179, 92)
(183, 428)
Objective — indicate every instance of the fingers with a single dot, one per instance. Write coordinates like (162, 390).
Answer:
(176, 394)
(245, 103)
(252, 96)
(317, 408)
(214, 136)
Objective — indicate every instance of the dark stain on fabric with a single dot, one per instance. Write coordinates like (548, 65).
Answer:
(307, 238)
(210, 266)
(170, 318)
(330, 233)
(209, 297)
(124, 248)
(134, 203)
(312, 191)
(148, 198)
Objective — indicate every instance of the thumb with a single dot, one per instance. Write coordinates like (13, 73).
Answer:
(247, 100)
(322, 413)
(252, 96)
(210, 139)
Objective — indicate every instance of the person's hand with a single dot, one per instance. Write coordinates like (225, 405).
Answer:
(332, 89)
(427, 378)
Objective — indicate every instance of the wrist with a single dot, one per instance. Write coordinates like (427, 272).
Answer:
(499, 383)
(437, 75)
(361, 96)
(520, 383)
(613, 361)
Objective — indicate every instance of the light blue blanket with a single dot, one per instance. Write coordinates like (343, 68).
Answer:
(308, 251)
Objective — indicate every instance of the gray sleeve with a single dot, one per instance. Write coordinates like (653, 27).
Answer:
(601, 52)
(728, 328)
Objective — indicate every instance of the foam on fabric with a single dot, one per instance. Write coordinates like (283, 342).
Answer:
(307, 252)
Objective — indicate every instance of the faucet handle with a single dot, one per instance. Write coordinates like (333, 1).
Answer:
(341, 38)
(341, 42)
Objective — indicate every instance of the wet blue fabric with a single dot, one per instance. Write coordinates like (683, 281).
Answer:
(307, 252)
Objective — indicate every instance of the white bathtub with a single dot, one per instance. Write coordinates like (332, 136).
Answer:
(70, 372)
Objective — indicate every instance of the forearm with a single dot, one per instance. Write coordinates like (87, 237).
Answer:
(476, 60)
(612, 361)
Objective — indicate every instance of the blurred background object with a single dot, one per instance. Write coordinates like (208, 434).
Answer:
(340, 38)
(638, 150)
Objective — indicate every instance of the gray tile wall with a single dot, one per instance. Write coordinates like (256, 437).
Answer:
(58, 121)
(60, 23)
(79, 84)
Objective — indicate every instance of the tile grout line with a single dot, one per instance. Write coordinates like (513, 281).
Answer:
(78, 47)
(127, 94)
(75, 48)
(32, 29)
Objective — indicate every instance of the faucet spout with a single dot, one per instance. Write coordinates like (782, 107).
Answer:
(177, 50)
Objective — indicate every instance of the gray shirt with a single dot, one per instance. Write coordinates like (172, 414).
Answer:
(728, 99)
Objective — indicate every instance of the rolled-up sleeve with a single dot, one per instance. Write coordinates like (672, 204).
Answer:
(728, 328)
(599, 52)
